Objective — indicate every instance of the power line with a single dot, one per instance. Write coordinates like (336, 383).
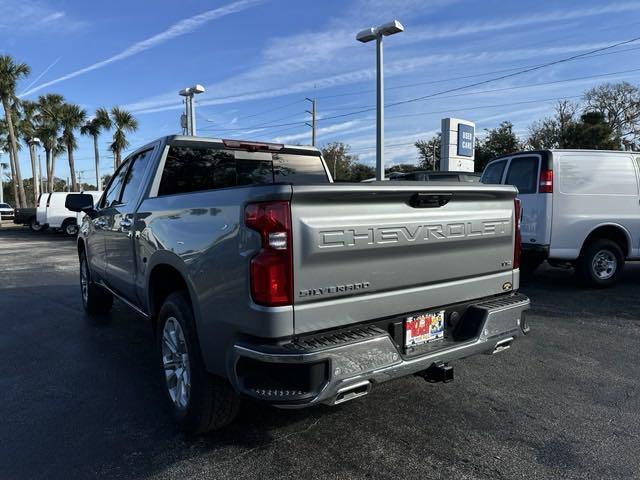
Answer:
(367, 109)
(520, 72)
(451, 79)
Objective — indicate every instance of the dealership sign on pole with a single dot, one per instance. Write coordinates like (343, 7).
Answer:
(457, 147)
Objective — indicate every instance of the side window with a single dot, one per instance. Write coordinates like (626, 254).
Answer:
(493, 172)
(133, 180)
(112, 193)
(523, 173)
(189, 169)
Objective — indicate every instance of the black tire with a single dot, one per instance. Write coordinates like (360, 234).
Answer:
(600, 264)
(212, 403)
(69, 228)
(34, 225)
(95, 300)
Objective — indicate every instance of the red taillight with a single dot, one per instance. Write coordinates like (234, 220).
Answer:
(517, 211)
(546, 181)
(272, 268)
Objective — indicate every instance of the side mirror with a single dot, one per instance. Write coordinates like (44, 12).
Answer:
(79, 202)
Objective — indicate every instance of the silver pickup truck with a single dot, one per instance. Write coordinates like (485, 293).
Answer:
(264, 279)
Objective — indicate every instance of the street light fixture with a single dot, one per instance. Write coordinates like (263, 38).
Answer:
(368, 35)
(190, 111)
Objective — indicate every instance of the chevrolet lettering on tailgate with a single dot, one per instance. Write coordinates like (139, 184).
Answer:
(353, 236)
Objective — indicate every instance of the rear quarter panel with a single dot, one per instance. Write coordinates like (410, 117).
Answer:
(202, 235)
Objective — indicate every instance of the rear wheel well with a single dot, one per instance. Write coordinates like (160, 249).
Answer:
(609, 232)
(164, 280)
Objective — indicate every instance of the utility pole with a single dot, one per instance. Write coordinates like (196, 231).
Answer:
(313, 120)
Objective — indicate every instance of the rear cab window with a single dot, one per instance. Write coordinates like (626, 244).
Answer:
(493, 172)
(523, 173)
(198, 168)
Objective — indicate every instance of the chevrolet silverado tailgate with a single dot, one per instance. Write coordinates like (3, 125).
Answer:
(368, 251)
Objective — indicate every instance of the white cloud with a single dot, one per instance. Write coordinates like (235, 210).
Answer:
(178, 29)
(432, 32)
(28, 16)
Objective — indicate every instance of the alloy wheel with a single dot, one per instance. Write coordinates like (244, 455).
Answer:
(175, 361)
(84, 281)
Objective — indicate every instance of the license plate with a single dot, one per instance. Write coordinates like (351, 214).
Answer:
(423, 328)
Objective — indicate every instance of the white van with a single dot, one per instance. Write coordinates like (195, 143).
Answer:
(578, 206)
(58, 217)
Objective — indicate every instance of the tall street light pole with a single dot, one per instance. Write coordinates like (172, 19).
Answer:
(365, 36)
(190, 110)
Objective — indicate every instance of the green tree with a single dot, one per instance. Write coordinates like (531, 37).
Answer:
(498, 141)
(10, 73)
(339, 160)
(28, 127)
(123, 122)
(49, 107)
(429, 153)
(619, 104)
(592, 132)
(94, 128)
(554, 132)
(72, 117)
(359, 172)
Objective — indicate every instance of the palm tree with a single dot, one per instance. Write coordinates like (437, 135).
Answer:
(72, 117)
(6, 147)
(94, 128)
(123, 122)
(49, 106)
(10, 73)
(27, 127)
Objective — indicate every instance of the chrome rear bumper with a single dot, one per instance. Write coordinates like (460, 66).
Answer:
(356, 359)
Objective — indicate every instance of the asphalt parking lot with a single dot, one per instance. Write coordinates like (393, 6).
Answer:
(81, 400)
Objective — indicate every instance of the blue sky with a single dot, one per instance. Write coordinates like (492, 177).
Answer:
(259, 59)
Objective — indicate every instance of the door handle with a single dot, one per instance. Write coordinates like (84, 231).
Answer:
(125, 224)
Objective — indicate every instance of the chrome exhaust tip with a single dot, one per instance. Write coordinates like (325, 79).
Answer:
(502, 345)
(352, 392)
